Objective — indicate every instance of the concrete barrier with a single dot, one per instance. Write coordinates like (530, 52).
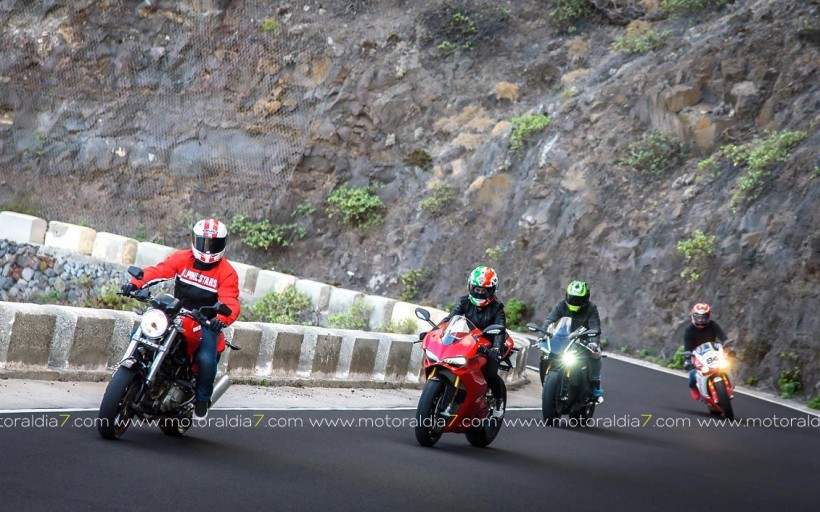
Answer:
(381, 310)
(22, 228)
(70, 237)
(247, 276)
(341, 300)
(114, 248)
(149, 254)
(67, 343)
(319, 293)
(268, 280)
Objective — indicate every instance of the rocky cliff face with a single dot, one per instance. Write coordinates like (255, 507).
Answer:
(137, 117)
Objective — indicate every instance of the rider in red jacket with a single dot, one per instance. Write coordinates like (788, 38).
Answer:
(202, 277)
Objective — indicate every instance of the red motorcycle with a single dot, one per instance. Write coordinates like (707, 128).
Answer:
(456, 397)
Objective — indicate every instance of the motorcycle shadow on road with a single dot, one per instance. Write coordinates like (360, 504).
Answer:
(618, 434)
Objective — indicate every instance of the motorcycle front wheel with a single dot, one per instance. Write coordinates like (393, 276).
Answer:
(723, 399)
(115, 413)
(429, 425)
(549, 396)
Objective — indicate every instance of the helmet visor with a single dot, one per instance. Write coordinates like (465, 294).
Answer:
(701, 318)
(209, 245)
(575, 300)
(479, 291)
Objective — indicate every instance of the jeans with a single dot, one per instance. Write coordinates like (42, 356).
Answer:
(205, 358)
(595, 368)
(692, 383)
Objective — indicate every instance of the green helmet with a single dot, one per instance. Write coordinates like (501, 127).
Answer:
(577, 295)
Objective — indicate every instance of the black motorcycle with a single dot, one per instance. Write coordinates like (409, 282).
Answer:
(154, 380)
(564, 372)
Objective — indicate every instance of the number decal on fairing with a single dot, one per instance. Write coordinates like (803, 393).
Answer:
(710, 360)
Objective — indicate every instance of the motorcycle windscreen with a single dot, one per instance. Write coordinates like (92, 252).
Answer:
(560, 334)
(458, 327)
(705, 348)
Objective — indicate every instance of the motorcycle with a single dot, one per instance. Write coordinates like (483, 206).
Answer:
(714, 378)
(564, 371)
(455, 397)
(156, 378)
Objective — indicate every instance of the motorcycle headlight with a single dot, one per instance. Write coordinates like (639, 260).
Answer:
(154, 323)
(430, 355)
(570, 358)
(704, 369)
(456, 361)
(724, 364)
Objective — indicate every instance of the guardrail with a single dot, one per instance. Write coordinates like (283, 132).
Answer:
(67, 343)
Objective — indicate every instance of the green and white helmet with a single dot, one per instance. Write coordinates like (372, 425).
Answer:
(577, 295)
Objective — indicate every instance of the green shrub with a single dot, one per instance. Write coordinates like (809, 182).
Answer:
(790, 383)
(757, 157)
(269, 25)
(682, 7)
(419, 158)
(695, 251)
(355, 318)
(566, 12)
(358, 207)
(106, 298)
(677, 360)
(526, 125)
(403, 326)
(654, 154)
(263, 234)
(438, 203)
(641, 41)
(752, 380)
(411, 281)
(288, 307)
(466, 24)
(517, 314)
(493, 254)
(303, 210)
(814, 402)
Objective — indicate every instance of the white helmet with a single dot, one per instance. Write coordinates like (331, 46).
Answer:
(208, 240)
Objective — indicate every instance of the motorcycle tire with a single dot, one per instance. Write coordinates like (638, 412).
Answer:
(115, 413)
(431, 403)
(723, 400)
(481, 436)
(552, 386)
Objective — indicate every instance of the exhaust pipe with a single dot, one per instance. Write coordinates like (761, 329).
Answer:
(220, 387)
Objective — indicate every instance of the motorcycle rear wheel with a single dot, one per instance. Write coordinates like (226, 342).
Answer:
(484, 434)
(115, 413)
(723, 400)
(552, 386)
(431, 403)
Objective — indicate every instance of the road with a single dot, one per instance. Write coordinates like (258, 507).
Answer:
(648, 452)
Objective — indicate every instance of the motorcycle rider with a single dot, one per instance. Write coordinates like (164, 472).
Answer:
(202, 277)
(703, 330)
(483, 309)
(584, 313)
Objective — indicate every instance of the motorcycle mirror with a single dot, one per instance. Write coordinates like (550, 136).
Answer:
(423, 314)
(223, 309)
(135, 271)
(533, 327)
(493, 329)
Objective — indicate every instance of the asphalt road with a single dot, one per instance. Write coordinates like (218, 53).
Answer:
(648, 452)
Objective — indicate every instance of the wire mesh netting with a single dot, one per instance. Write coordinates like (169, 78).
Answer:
(146, 115)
